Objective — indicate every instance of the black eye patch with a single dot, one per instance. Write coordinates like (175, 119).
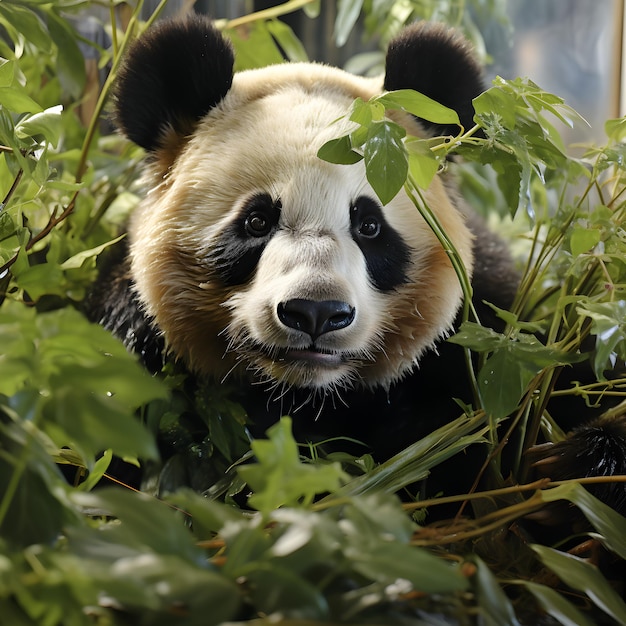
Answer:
(241, 244)
(386, 254)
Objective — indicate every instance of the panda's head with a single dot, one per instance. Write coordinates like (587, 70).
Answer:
(256, 258)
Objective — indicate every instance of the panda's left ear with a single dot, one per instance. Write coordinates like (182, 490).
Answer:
(171, 77)
(438, 62)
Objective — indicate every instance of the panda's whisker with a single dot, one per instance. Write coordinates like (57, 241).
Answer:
(284, 390)
(236, 364)
(320, 409)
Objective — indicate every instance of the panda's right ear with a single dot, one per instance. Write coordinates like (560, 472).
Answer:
(172, 76)
(438, 62)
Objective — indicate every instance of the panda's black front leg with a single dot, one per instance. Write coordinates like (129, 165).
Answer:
(594, 449)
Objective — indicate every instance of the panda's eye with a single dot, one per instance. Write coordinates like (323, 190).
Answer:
(258, 224)
(369, 227)
(260, 216)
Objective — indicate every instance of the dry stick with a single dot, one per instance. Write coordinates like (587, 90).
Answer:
(16, 182)
(460, 531)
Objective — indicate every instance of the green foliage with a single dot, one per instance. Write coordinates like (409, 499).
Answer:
(383, 19)
(583, 576)
(328, 540)
(74, 381)
(379, 141)
(279, 479)
(512, 364)
(608, 325)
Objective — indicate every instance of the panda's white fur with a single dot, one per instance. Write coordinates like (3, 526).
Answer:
(264, 137)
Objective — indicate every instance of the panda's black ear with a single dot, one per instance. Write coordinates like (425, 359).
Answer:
(438, 62)
(172, 76)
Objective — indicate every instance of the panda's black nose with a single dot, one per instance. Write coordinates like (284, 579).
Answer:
(315, 317)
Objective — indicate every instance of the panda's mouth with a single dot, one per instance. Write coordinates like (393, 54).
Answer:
(311, 356)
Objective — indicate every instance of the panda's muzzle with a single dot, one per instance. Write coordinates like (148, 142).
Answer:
(315, 317)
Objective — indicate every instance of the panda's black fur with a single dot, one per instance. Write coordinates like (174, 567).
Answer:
(176, 84)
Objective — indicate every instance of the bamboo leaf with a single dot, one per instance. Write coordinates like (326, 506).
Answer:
(554, 604)
(585, 577)
(610, 524)
(494, 606)
(389, 562)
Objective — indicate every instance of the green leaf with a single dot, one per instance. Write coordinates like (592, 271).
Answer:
(361, 112)
(583, 240)
(610, 524)
(47, 123)
(554, 604)
(70, 60)
(7, 72)
(386, 161)
(32, 495)
(312, 9)
(12, 236)
(15, 99)
(40, 280)
(97, 472)
(388, 562)
(148, 561)
(89, 423)
(27, 23)
(339, 151)
(78, 259)
(287, 40)
(496, 102)
(616, 129)
(510, 175)
(419, 105)
(276, 589)
(505, 375)
(423, 163)
(77, 379)
(583, 576)
(347, 15)
(247, 546)
(380, 514)
(478, 338)
(280, 478)
(608, 324)
(145, 523)
(208, 516)
(513, 320)
(256, 49)
(503, 379)
(494, 606)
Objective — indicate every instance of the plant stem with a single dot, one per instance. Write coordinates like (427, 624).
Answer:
(415, 195)
(265, 14)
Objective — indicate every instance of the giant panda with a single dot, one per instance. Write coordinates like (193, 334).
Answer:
(254, 263)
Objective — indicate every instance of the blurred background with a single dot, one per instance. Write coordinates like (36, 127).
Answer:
(572, 48)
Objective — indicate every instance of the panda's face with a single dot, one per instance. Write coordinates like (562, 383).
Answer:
(258, 259)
